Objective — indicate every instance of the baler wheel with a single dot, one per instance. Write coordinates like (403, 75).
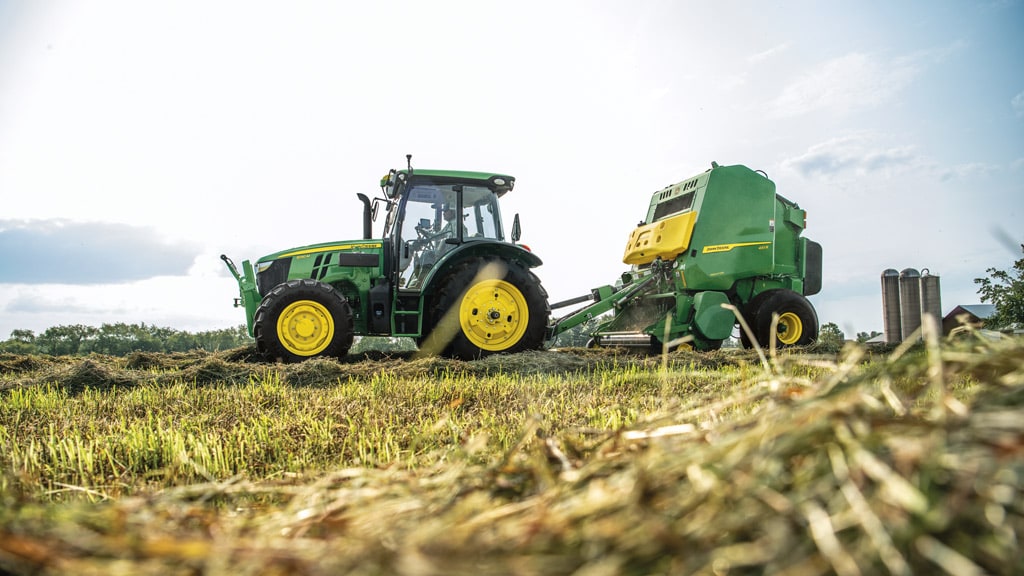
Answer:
(302, 319)
(797, 324)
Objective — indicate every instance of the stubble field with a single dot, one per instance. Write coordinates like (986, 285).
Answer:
(586, 462)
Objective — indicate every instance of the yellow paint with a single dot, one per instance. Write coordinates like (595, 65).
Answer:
(789, 329)
(664, 239)
(717, 248)
(494, 315)
(335, 248)
(305, 328)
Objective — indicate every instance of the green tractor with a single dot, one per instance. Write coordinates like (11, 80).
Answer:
(723, 237)
(443, 273)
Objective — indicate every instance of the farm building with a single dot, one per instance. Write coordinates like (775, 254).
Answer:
(975, 316)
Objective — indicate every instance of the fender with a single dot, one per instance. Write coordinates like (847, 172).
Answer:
(480, 249)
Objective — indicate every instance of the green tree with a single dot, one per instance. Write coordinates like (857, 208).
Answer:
(579, 336)
(223, 339)
(865, 336)
(64, 340)
(121, 339)
(182, 342)
(830, 337)
(21, 342)
(1004, 290)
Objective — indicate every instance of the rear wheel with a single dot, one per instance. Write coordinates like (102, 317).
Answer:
(484, 307)
(797, 324)
(302, 319)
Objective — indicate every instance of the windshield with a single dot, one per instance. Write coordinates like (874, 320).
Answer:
(431, 216)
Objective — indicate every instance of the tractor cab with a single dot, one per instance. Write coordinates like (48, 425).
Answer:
(432, 212)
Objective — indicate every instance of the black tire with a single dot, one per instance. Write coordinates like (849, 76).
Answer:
(458, 325)
(750, 313)
(797, 324)
(302, 319)
(703, 345)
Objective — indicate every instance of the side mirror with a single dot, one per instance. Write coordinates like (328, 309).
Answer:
(517, 231)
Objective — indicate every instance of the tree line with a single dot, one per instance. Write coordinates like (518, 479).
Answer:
(121, 339)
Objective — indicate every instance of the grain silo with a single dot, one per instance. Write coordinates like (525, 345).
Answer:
(931, 301)
(910, 302)
(891, 306)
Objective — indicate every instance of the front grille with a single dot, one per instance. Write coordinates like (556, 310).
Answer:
(673, 206)
(273, 275)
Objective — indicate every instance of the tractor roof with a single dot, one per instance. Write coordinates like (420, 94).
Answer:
(456, 174)
(500, 183)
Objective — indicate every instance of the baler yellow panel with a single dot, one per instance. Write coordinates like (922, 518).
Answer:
(665, 239)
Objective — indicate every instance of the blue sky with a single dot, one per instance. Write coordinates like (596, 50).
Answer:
(139, 141)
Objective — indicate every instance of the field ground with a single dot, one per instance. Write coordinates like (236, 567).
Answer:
(586, 462)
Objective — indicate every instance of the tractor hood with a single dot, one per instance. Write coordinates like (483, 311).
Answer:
(275, 268)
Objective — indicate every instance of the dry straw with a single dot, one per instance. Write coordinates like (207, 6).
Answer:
(910, 463)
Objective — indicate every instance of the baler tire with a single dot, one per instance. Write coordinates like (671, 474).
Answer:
(456, 325)
(703, 345)
(750, 314)
(797, 325)
(302, 319)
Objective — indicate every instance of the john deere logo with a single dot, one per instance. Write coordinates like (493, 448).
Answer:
(727, 247)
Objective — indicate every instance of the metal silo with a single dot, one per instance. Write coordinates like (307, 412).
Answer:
(931, 301)
(891, 306)
(910, 302)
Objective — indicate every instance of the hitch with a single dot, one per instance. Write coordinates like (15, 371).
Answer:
(576, 300)
(233, 270)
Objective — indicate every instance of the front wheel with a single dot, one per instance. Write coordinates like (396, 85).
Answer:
(797, 324)
(484, 307)
(302, 319)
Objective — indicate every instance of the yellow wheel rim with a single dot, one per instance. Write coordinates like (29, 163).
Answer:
(790, 329)
(494, 315)
(305, 328)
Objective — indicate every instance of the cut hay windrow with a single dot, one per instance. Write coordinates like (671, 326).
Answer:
(909, 463)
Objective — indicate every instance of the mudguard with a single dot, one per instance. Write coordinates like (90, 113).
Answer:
(480, 249)
(711, 320)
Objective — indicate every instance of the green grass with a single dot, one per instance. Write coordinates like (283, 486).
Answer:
(113, 441)
(589, 461)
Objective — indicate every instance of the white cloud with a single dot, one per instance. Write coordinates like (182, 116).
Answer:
(60, 250)
(968, 170)
(857, 154)
(862, 154)
(769, 53)
(844, 84)
(1017, 103)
